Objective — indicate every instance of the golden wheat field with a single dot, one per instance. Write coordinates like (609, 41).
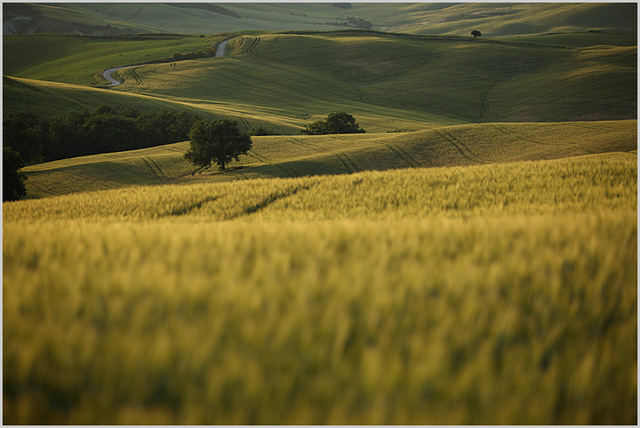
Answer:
(490, 294)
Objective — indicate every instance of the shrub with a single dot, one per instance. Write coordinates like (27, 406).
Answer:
(335, 123)
(261, 130)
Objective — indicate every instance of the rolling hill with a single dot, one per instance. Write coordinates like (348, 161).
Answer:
(298, 156)
(388, 81)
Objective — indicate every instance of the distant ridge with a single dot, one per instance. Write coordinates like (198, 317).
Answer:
(418, 18)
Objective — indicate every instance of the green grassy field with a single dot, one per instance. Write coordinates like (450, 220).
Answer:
(388, 81)
(481, 294)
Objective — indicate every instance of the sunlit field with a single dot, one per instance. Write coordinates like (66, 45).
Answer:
(463, 295)
(282, 156)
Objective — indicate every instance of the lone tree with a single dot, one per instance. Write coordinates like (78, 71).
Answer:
(217, 141)
(476, 33)
(13, 180)
(335, 123)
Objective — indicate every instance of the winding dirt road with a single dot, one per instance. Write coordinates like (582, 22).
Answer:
(107, 74)
(222, 48)
(220, 51)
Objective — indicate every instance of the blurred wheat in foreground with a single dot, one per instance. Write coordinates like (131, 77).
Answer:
(496, 294)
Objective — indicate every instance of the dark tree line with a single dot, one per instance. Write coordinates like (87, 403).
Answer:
(42, 139)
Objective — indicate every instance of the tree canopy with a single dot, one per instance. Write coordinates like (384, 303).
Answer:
(335, 123)
(12, 179)
(218, 141)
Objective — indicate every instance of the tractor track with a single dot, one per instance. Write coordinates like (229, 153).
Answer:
(402, 154)
(462, 148)
(348, 163)
(286, 168)
(483, 98)
(136, 76)
(254, 43)
(158, 176)
(345, 160)
(157, 167)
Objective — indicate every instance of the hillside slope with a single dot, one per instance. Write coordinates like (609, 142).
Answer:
(297, 156)
(387, 81)
(458, 78)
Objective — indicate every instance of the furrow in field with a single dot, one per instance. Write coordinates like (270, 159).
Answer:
(344, 163)
(450, 139)
(464, 146)
(348, 162)
(484, 102)
(153, 170)
(158, 167)
(402, 154)
(136, 76)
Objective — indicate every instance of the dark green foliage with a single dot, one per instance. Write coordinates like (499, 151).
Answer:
(261, 130)
(476, 33)
(110, 132)
(162, 126)
(23, 133)
(12, 179)
(66, 136)
(217, 141)
(82, 133)
(319, 127)
(335, 123)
